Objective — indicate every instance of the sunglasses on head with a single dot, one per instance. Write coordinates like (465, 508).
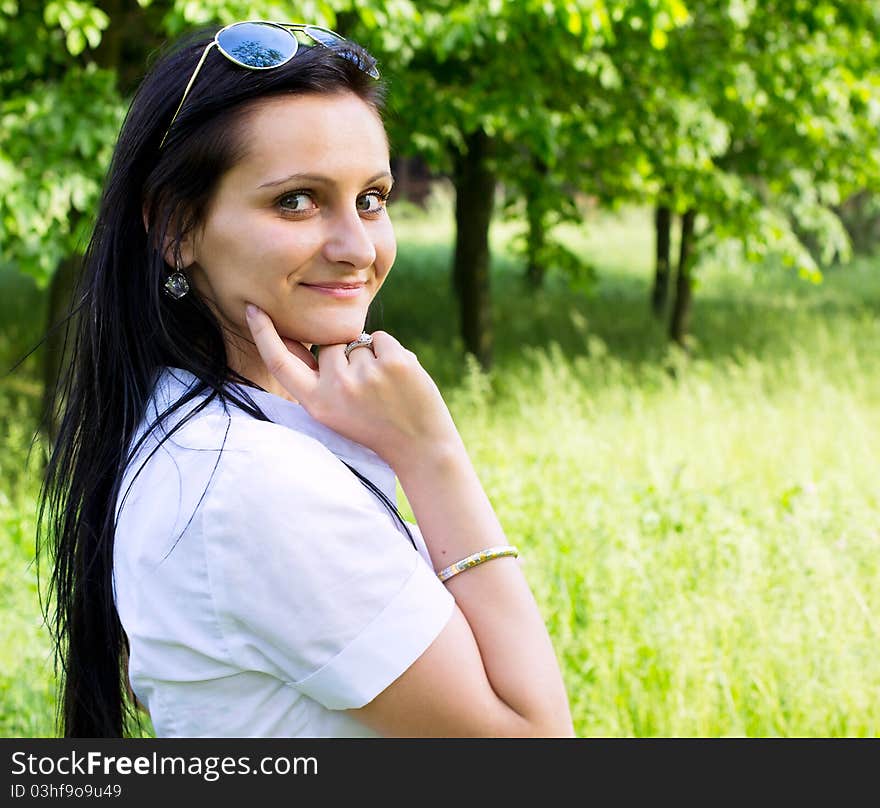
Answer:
(262, 45)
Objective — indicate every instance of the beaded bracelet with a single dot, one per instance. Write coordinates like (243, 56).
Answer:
(477, 558)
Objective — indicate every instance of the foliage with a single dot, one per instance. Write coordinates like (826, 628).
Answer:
(528, 75)
(762, 116)
(58, 137)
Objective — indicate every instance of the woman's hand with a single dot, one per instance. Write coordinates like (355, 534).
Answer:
(494, 652)
(385, 401)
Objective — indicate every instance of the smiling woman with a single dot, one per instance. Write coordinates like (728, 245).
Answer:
(227, 553)
(298, 225)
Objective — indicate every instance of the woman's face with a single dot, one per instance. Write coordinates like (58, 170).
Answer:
(304, 208)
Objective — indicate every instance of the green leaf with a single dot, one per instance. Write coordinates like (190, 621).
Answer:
(679, 12)
(368, 16)
(51, 13)
(659, 39)
(76, 42)
(99, 19)
(93, 35)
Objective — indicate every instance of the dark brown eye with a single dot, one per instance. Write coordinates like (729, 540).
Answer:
(297, 202)
(371, 202)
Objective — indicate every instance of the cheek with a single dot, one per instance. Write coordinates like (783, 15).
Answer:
(240, 250)
(222, 250)
(386, 249)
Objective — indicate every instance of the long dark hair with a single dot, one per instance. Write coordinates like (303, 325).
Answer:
(126, 330)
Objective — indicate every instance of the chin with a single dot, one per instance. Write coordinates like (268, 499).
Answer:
(339, 335)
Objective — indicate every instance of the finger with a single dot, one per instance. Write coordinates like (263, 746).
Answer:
(331, 359)
(385, 346)
(295, 375)
(361, 356)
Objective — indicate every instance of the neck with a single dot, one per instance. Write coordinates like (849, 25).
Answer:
(245, 360)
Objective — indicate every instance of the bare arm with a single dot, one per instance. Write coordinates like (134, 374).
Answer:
(492, 670)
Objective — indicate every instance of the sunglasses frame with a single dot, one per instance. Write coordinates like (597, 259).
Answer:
(288, 28)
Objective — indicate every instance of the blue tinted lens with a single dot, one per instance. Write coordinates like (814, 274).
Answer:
(258, 45)
(334, 41)
(323, 36)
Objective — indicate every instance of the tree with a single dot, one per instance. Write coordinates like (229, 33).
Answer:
(494, 93)
(790, 86)
(750, 121)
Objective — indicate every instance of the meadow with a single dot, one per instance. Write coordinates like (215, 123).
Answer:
(700, 529)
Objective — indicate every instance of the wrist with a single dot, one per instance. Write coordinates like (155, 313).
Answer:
(433, 459)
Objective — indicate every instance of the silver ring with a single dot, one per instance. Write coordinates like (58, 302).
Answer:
(363, 341)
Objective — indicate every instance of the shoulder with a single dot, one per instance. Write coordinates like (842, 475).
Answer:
(273, 462)
(287, 493)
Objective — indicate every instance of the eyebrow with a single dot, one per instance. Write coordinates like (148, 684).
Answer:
(321, 178)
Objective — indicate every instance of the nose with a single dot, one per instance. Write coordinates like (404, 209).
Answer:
(348, 241)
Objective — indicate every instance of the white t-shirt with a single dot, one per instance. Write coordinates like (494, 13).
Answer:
(264, 589)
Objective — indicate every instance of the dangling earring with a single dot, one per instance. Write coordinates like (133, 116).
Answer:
(176, 284)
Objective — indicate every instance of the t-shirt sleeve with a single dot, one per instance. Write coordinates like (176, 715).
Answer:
(311, 581)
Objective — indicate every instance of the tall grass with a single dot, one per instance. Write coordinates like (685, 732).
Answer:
(704, 547)
(701, 531)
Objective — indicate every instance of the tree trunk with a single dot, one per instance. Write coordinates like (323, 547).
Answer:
(133, 34)
(681, 311)
(55, 352)
(535, 269)
(109, 52)
(860, 216)
(663, 229)
(536, 213)
(474, 197)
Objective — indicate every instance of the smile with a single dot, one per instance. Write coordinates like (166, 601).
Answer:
(337, 291)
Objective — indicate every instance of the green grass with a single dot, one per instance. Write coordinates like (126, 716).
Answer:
(701, 531)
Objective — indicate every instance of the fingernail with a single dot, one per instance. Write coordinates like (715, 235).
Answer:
(251, 310)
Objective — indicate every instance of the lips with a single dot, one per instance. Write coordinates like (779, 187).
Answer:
(336, 285)
(336, 289)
